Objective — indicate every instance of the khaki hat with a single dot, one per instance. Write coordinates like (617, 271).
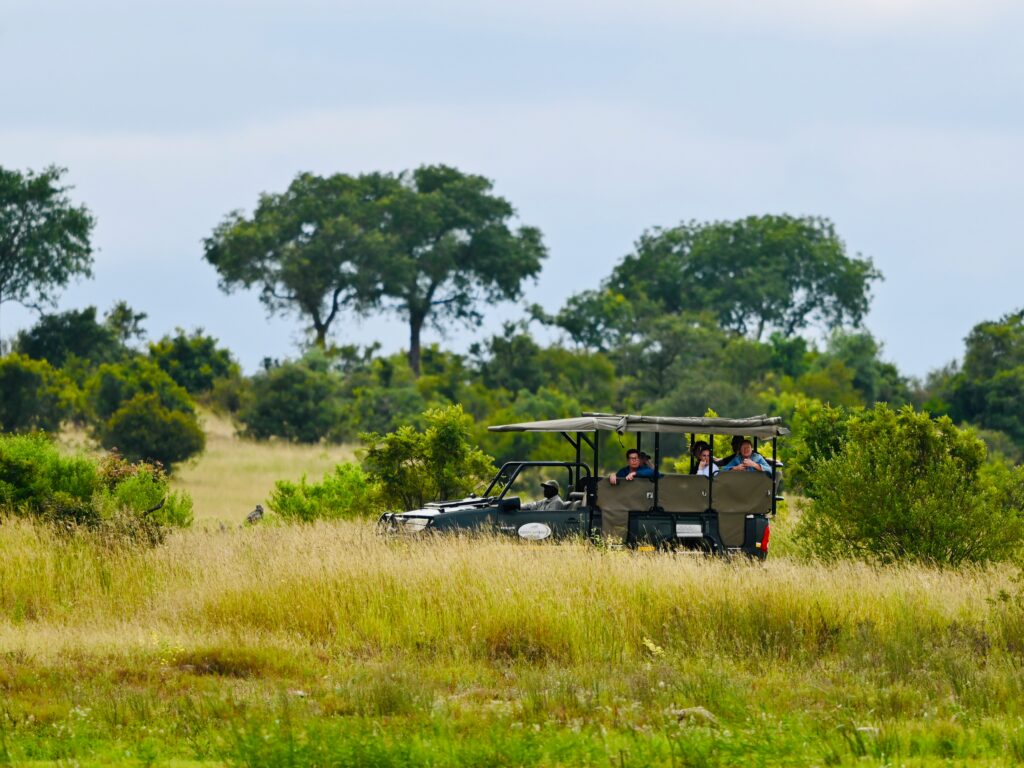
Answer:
(550, 484)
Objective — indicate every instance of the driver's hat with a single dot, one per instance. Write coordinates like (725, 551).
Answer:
(550, 484)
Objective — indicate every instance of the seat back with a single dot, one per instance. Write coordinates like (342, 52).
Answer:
(746, 492)
(617, 501)
(683, 493)
(736, 495)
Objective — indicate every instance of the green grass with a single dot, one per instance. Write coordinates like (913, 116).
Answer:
(328, 645)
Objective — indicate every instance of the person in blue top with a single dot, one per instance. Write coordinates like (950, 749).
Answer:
(748, 461)
(635, 468)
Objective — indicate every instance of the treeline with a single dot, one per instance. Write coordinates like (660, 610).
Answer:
(71, 366)
(141, 398)
(703, 316)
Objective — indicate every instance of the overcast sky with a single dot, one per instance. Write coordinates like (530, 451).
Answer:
(900, 120)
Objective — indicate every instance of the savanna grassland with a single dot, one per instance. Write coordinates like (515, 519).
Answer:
(329, 645)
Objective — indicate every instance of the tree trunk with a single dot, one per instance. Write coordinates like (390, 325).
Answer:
(415, 326)
(320, 328)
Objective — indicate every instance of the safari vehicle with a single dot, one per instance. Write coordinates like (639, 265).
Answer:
(730, 512)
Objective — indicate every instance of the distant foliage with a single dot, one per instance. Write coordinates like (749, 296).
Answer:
(114, 384)
(300, 401)
(44, 238)
(193, 360)
(113, 495)
(34, 395)
(381, 397)
(344, 494)
(989, 390)
(412, 467)
(903, 486)
(139, 410)
(144, 430)
(546, 403)
(58, 338)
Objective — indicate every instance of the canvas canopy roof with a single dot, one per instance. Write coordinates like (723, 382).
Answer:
(755, 426)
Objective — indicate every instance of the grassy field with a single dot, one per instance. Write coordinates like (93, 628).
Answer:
(328, 645)
(234, 475)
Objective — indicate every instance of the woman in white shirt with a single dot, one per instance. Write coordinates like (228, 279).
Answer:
(704, 462)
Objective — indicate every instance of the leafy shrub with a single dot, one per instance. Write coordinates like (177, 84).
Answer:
(34, 395)
(76, 333)
(411, 467)
(819, 432)
(299, 401)
(193, 361)
(144, 430)
(114, 384)
(112, 495)
(35, 478)
(139, 410)
(229, 395)
(383, 394)
(345, 493)
(904, 486)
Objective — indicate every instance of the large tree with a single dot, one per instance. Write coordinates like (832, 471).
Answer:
(756, 274)
(315, 249)
(451, 249)
(44, 238)
(990, 388)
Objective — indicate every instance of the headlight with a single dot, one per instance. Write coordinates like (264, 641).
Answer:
(405, 524)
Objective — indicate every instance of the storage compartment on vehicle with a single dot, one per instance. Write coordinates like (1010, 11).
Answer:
(735, 496)
(617, 501)
(683, 493)
(655, 530)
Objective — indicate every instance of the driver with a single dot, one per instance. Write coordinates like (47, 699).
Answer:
(551, 500)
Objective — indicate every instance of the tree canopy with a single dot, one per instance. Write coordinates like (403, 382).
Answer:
(44, 238)
(433, 242)
(77, 333)
(315, 249)
(989, 389)
(451, 249)
(754, 275)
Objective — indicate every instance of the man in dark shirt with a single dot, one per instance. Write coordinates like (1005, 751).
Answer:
(634, 468)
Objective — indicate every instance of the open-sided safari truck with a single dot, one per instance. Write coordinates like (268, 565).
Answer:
(730, 512)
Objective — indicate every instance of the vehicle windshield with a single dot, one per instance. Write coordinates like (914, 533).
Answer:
(527, 485)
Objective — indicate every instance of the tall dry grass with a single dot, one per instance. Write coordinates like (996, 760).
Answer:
(234, 474)
(343, 588)
(205, 640)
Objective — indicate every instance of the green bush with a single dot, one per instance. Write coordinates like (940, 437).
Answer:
(905, 486)
(298, 401)
(34, 395)
(344, 494)
(819, 432)
(111, 495)
(114, 384)
(194, 361)
(140, 411)
(144, 430)
(58, 338)
(411, 467)
(229, 395)
(141, 488)
(545, 403)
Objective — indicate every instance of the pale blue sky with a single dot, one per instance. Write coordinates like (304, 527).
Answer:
(901, 120)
